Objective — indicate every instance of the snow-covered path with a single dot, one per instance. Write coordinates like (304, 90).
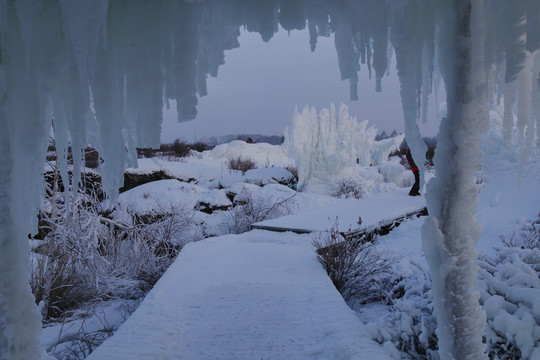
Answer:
(374, 212)
(259, 295)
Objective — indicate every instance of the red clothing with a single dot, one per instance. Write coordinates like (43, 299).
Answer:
(411, 162)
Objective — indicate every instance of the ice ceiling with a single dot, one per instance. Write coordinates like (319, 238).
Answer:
(103, 70)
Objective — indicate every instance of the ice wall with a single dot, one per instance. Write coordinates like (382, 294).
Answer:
(103, 69)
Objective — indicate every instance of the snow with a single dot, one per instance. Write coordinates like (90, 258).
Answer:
(285, 306)
(260, 153)
(346, 214)
(165, 194)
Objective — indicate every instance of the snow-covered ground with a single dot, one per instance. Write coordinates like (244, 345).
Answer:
(264, 295)
(258, 295)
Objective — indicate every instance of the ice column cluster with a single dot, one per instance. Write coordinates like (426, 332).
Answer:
(104, 69)
(324, 144)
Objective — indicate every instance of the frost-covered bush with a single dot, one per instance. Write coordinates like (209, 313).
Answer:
(350, 187)
(357, 270)
(510, 294)
(396, 173)
(411, 324)
(528, 236)
(87, 256)
(509, 283)
(241, 163)
(249, 209)
(293, 170)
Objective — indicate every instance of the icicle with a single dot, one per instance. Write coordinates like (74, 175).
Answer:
(380, 43)
(407, 42)
(347, 56)
(427, 16)
(144, 80)
(3, 12)
(85, 24)
(524, 90)
(533, 25)
(312, 36)
(85, 21)
(508, 116)
(536, 94)
(108, 91)
(24, 119)
(514, 29)
(186, 42)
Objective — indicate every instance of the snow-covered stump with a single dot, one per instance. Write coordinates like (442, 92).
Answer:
(450, 233)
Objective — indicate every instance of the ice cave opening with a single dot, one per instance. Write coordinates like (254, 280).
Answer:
(104, 68)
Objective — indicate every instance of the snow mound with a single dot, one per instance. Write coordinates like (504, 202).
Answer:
(161, 196)
(259, 177)
(263, 154)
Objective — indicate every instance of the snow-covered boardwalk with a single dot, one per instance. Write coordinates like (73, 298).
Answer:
(259, 295)
(374, 212)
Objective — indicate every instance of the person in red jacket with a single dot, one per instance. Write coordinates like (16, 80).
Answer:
(415, 189)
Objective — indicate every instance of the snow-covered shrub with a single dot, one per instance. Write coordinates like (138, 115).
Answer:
(293, 170)
(413, 324)
(510, 294)
(240, 163)
(528, 236)
(87, 256)
(350, 187)
(249, 209)
(80, 332)
(509, 283)
(410, 324)
(396, 173)
(357, 270)
(159, 238)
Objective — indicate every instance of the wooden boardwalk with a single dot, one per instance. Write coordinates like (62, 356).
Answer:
(354, 217)
(258, 295)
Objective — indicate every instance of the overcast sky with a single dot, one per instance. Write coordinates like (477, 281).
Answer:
(257, 89)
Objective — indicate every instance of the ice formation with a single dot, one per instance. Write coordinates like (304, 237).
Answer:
(104, 68)
(325, 145)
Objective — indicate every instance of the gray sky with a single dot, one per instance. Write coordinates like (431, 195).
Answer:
(257, 89)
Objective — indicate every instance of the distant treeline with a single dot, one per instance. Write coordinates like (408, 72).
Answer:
(181, 148)
(250, 138)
